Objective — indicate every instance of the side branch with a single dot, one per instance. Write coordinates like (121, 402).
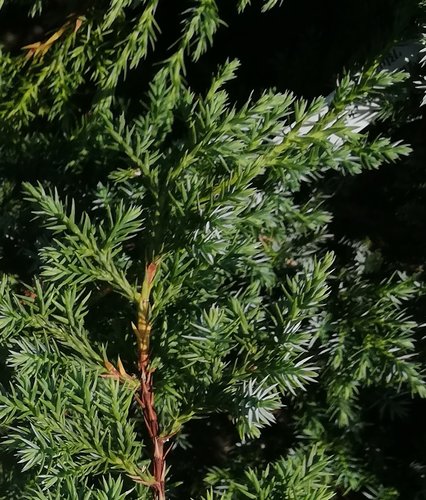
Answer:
(146, 397)
(151, 422)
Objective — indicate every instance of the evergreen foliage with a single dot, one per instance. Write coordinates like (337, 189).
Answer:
(184, 212)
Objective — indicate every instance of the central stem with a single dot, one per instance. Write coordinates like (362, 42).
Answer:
(151, 422)
(143, 333)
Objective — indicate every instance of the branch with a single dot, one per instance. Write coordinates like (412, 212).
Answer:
(146, 398)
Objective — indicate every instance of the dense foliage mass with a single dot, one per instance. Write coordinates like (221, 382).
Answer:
(176, 278)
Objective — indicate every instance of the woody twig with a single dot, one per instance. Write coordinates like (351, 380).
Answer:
(146, 394)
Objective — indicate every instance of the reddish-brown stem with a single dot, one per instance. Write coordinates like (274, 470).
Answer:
(146, 398)
(151, 421)
(145, 395)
